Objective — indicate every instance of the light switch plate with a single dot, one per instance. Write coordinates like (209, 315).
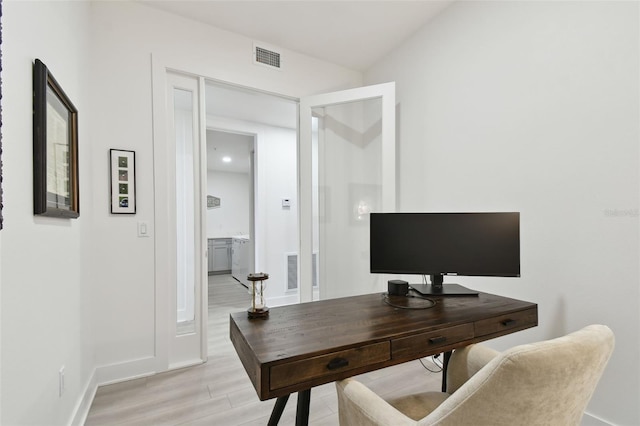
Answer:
(143, 228)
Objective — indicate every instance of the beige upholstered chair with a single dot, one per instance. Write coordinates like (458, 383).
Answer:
(544, 383)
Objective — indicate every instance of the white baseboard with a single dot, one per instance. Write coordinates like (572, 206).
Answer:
(288, 299)
(116, 373)
(83, 406)
(106, 375)
(272, 302)
(591, 420)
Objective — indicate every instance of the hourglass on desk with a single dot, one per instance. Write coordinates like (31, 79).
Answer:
(258, 308)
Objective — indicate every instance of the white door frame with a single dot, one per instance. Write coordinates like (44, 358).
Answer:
(165, 311)
(160, 67)
(386, 92)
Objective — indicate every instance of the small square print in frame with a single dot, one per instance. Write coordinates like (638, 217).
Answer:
(123, 184)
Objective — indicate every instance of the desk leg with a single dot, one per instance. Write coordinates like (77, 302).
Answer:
(445, 366)
(281, 402)
(302, 413)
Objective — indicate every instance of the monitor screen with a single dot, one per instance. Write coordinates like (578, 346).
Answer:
(471, 244)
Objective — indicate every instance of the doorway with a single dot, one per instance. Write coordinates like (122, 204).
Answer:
(256, 191)
(283, 246)
(230, 203)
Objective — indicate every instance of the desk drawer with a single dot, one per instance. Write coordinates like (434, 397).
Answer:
(504, 323)
(324, 365)
(428, 343)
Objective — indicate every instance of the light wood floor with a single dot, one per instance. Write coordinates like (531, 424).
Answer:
(219, 391)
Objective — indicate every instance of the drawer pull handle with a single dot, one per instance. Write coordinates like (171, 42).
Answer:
(508, 322)
(336, 363)
(436, 340)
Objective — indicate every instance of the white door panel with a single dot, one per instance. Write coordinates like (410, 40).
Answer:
(347, 170)
(180, 245)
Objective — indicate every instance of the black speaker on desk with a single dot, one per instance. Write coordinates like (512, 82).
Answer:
(397, 288)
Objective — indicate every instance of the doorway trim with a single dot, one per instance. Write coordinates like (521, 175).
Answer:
(383, 91)
(163, 225)
(160, 67)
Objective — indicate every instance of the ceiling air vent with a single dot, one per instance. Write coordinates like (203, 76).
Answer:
(267, 57)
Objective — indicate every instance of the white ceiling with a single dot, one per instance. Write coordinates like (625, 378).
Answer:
(237, 147)
(223, 101)
(354, 34)
(250, 105)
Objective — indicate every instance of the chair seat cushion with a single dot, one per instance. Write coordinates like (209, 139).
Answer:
(419, 405)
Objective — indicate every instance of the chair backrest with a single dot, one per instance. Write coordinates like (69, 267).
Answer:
(544, 383)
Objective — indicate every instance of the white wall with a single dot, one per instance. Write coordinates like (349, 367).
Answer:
(232, 217)
(63, 281)
(276, 228)
(46, 281)
(124, 36)
(533, 107)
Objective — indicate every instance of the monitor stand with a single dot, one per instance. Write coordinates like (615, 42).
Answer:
(437, 288)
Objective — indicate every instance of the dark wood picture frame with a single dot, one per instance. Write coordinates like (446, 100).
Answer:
(1, 193)
(123, 181)
(55, 148)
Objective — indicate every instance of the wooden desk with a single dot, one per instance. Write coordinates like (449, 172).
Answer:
(301, 346)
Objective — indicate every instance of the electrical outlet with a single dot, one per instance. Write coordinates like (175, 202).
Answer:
(61, 387)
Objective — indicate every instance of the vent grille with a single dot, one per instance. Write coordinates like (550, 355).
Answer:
(267, 57)
(292, 271)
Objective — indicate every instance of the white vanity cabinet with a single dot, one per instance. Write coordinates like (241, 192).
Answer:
(240, 259)
(219, 255)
